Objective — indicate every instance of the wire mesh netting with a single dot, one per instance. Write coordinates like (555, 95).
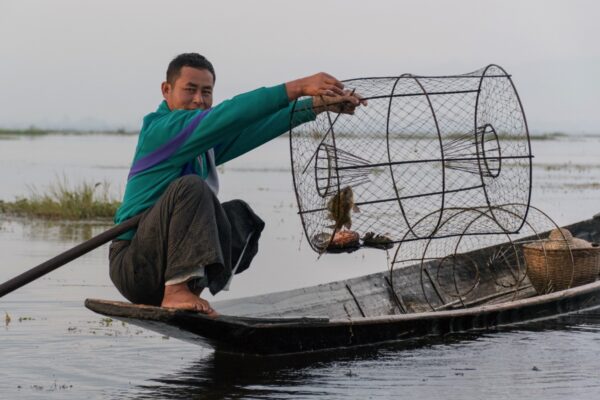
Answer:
(468, 269)
(423, 149)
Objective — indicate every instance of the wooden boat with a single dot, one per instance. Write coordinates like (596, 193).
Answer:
(362, 311)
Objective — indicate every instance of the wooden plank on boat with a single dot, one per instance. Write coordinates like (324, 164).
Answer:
(331, 299)
(415, 289)
(374, 295)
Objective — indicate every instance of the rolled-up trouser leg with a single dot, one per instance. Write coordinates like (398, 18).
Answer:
(186, 229)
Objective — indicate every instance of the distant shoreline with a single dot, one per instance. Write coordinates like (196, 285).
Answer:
(33, 131)
(75, 132)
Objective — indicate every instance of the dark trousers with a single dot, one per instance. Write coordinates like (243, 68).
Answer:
(187, 228)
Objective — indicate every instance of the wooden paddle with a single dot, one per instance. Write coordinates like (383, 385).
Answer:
(69, 255)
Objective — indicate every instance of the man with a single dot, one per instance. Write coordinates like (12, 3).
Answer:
(186, 240)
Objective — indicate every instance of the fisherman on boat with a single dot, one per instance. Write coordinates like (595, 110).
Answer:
(186, 239)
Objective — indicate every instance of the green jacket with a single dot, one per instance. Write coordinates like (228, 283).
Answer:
(232, 128)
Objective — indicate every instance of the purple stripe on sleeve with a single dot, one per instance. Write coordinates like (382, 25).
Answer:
(168, 149)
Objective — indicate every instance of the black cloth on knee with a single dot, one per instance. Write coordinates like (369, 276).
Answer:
(187, 228)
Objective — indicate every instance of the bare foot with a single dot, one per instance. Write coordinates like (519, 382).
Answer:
(179, 296)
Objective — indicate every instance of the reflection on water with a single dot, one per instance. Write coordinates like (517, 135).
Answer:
(64, 231)
(545, 359)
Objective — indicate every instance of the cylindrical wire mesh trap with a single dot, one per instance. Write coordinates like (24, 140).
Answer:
(423, 146)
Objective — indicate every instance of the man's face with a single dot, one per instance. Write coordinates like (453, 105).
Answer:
(191, 91)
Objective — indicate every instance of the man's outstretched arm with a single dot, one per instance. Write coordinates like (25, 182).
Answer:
(280, 122)
(228, 119)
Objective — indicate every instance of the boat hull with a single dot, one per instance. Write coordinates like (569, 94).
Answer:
(264, 336)
(359, 311)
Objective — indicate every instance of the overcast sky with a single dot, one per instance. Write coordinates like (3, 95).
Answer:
(99, 64)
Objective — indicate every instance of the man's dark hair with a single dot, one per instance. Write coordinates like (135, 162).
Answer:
(193, 60)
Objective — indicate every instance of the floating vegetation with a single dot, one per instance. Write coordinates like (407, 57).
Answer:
(54, 387)
(582, 186)
(548, 136)
(567, 166)
(63, 201)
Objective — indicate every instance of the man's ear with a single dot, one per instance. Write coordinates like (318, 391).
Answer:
(165, 88)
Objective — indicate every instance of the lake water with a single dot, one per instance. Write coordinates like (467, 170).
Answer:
(53, 347)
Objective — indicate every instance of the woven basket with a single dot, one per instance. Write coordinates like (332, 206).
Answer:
(561, 262)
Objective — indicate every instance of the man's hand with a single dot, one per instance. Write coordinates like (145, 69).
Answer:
(344, 104)
(320, 84)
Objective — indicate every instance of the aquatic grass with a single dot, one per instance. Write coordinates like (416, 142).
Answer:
(567, 167)
(63, 201)
(31, 131)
